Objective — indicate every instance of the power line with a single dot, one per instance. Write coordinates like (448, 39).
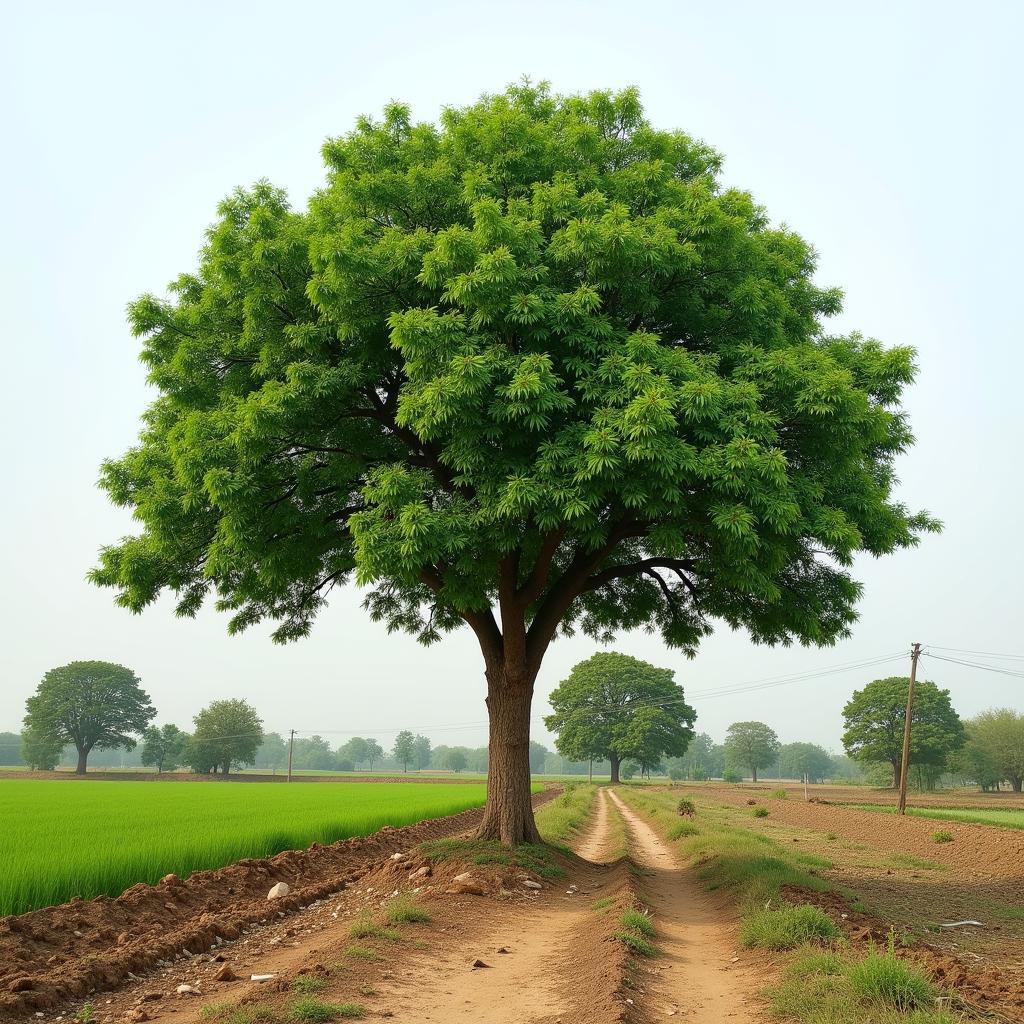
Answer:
(985, 654)
(977, 664)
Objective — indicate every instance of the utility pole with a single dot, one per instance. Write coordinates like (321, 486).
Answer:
(915, 653)
(291, 750)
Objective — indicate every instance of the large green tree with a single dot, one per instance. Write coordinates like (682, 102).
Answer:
(751, 745)
(614, 707)
(227, 735)
(90, 704)
(528, 369)
(874, 719)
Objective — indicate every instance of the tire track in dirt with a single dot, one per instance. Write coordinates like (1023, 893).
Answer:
(696, 977)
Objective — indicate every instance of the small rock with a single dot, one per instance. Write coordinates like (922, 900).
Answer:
(170, 880)
(467, 888)
(123, 938)
(531, 884)
(279, 890)
(187, 990)
(225, 973)
(398, 856)
(262, 977)
(464, 877)
(138, 1015)
(476, 964)
(504, 949)
(423, 872)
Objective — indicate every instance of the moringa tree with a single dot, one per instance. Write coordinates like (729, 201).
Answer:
(530, 369)
(95, 705)
(615, 707)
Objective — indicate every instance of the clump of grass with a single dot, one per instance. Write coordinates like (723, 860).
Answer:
(779, 794)
(760, 812)
(636, 932)
(361, 952)
(315, 1011)
(529, 856)
(638, 921)
(882, 977)
(787, 927)
(686, 807)
(308, 984)
(680, 829)
(560, 819)
(367, 990)
(365, 928)
(942, 836)
(405, 910)
(831, 836)
(602, 904)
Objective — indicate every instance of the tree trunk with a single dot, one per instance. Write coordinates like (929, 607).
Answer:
(896, 766)
(1016, 782)
(508, 814)
(83, 759)
(615, 762)
(754, 772)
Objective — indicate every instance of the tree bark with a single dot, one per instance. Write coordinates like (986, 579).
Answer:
(1017, 783)
(83, 760)
(896, 766)
(615, 761)
(508, 814)
(754, 772)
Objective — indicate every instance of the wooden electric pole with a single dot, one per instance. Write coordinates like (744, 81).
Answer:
(291, 750)
(915, 653)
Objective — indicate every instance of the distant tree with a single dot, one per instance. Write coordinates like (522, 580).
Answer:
(797, 760)
(531, 366)
(91, 704)
(374, 752)
(874, 719)
(478, 760)
(845, 768)
(10, 749)
(41, 750)
(421, 752)
(313, 753)
(272, 752)
(751, 745)
(163, 748)
(614, 706)
(538, 755)
(227, 735)
(355, 750)
(455, 759)
(997, 739)
(404, 750)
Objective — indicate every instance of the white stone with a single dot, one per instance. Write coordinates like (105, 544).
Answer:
(531, 884)
(279, 890)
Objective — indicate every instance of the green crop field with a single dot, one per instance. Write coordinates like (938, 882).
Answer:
(61, 839)
(1006, 817)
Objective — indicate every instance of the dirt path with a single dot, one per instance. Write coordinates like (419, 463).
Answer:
(701, 975)
(547, 973)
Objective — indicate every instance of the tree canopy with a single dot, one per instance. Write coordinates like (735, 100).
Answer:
(528, 369)
(164, 748)
(996, 740)
(227, 735)
(616, 707)
(404, 750)
(91, 704)
(874, 719)
(751, 745)
(799, 760)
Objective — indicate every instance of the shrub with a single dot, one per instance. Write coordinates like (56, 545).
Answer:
(787, 927)
(309, 983)
(779, 794)
(687, 808)
(881, 977)
(731, 776)
(760, 812)
(942, 836)
(364, 928)
(637, 943)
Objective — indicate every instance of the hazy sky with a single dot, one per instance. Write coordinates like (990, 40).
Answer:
(888, 134)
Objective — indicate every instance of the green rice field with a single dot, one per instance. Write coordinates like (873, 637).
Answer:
(1005, 816)
(61, 839)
